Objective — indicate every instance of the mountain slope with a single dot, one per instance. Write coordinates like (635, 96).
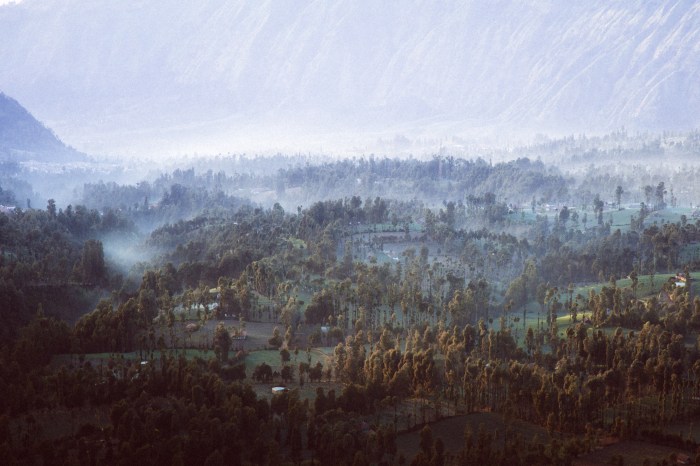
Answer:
(88, 66)
(22, 137)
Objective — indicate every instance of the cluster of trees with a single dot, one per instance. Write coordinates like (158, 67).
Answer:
(415, 288)
(420, 302)
(431, 180)
(53, 257)
(170, 411)
(174, 410)
(168, 199)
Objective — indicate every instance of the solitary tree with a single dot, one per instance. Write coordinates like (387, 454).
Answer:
(635, 282)
(618, 195)
(222, 342)
(276, 339)
(564, 215)
(659, 194)
(598, 206)
(51, 208)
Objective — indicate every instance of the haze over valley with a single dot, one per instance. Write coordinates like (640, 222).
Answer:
(349, 233)
(174, 78)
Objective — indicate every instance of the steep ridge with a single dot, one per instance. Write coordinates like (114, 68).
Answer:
(22, 137)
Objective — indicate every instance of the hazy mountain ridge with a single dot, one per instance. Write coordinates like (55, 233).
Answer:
(23, 137)
(542, 66)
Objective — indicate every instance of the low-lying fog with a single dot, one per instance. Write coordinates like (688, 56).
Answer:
(155, 191)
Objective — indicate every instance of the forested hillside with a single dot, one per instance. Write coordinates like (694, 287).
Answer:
(349, 233)
(551, 322)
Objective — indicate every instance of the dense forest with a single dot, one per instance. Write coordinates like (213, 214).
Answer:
(551, 314)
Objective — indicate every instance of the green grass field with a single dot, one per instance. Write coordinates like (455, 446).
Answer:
(645, 289)
(274, 360)
(252, 359)
(619, 219)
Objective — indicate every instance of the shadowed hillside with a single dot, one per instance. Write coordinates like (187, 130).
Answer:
(23, 137)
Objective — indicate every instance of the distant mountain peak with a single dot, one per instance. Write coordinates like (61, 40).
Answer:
(23, 137)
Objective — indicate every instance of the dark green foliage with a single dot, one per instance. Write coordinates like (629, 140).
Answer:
(52, 258)
(418, 334)
(42, 338)
(263, 373)
(221, 342)
(92, 268)
(320, 308)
